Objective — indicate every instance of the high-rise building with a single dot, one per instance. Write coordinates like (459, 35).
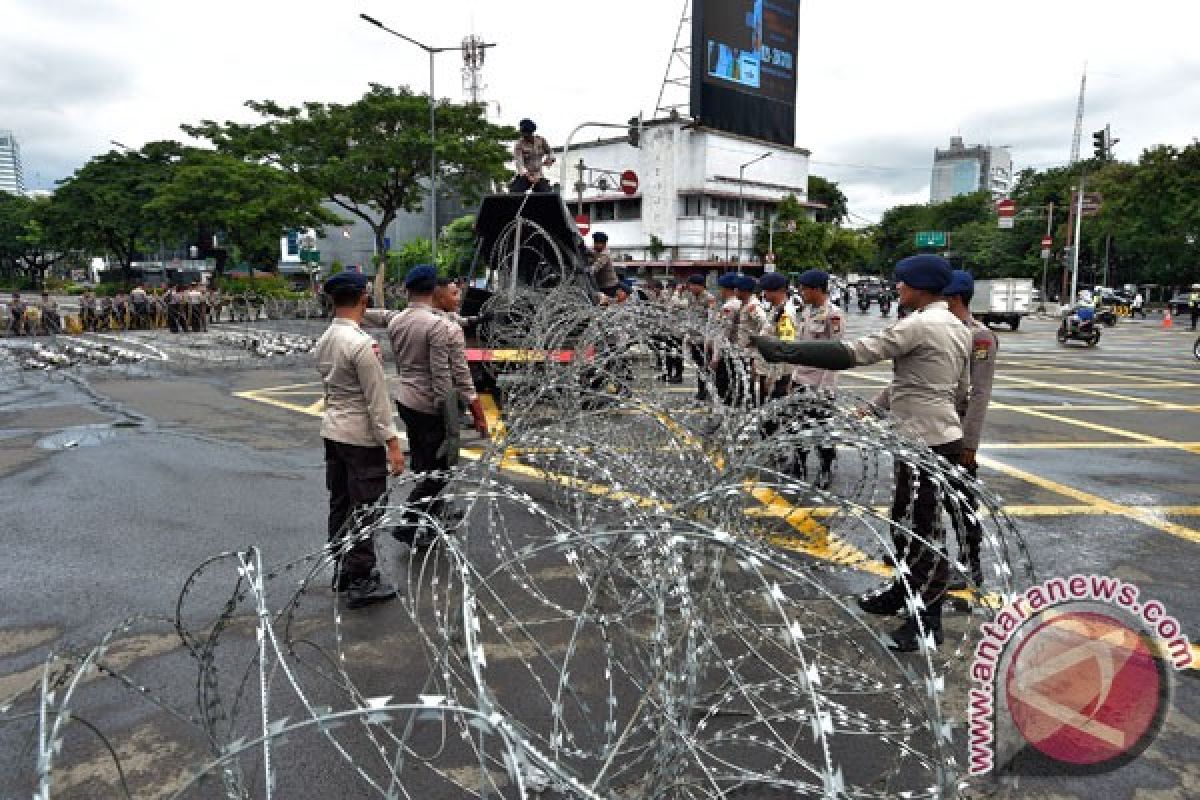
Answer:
(12, 180)
(962, 170)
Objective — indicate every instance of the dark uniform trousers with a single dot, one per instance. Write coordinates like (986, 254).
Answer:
(522, 184)
(968, 527)
(810, 418)
(928, 567)
(426, 434)
(356, 477)
(735, 382)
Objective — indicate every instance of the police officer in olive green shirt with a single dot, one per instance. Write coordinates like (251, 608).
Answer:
(362, 444)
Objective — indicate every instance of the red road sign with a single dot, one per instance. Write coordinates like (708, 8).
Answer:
(1047, 242)
(584, 223)
(629, 182)
(1006, 208)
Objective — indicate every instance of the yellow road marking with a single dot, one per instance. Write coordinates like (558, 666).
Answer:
(1084, 390)
(1099, 504)
(1095, 426)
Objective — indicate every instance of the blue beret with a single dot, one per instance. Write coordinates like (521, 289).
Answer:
(627, 286)
(927, 272)
(697, 279)
(961, 285)
(421, 278)
(772, 281)
(814, 279)
(527, 126)
(599, 236)
(745, 283)
(346, 283)
(728, 280)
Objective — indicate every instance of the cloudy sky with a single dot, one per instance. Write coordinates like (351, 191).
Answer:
(882, 83)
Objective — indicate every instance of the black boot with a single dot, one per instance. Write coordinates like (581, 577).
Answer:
(883, 601)
(368, 591)
(907, 638)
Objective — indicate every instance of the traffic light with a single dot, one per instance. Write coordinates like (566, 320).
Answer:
(1100, 144)
(635, 131)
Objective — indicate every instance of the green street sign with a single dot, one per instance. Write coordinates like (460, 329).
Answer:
(931, 239)
(310, 256)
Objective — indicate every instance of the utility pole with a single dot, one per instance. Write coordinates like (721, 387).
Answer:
(1046, 258)
(1078, 234)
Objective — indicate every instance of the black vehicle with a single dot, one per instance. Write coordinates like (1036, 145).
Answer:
(864, 302)
(1086, 331)
(1106, 315)
(1196, 349)
(885, 304)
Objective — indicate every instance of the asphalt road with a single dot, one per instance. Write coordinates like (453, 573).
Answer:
(114, 489)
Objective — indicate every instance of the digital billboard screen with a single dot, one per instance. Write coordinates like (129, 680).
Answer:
(744, 66)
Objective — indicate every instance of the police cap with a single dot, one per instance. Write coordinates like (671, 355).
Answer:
(346, 283)
(527, 126)
(421, 279)
(599, 236)
(814, 279)
(729, 280)
(696, 279)
(745, 283)
(773, 281)
(927, 272)
(961, 285)
(626, 286)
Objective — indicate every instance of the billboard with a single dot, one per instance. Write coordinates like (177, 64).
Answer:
(744, 67)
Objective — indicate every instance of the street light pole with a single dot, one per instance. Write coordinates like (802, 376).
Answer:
(432, 51)
(742, 196)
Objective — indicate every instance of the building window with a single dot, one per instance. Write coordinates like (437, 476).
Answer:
(604, 212)
(693, 206)
(629, 209)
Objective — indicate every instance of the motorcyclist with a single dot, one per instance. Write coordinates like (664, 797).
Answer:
(1081, 316)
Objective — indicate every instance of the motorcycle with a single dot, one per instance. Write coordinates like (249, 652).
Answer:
(1196, 349)
(864, 303)
(885, 306)
(1085, 331)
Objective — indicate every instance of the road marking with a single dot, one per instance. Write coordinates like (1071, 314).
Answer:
(1084, 390)
(1099, 504)
(1086, 445)
(1109, 429)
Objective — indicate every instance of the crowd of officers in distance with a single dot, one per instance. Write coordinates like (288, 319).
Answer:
(752, 341)
(181, 309)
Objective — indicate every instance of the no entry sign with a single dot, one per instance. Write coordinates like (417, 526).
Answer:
(629, 182)
(584, 223)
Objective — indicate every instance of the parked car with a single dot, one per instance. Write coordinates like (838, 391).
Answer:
(1179, 302)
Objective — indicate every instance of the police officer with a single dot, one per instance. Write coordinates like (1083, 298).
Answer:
(781, 323)
(174, 309)
(603, 271)
(16, 309)
(1194, 304)
(929, 350)
(751, 321)
(531, 153)
(973, 408)
(51, 321)
(819, 320)
(722, 333)
(433, 374)
(697, 308)
(362, 444)
(140, 300)
(87, 311)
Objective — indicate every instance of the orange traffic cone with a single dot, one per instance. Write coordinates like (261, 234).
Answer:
(1167, 322)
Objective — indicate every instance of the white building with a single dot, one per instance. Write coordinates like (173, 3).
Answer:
(12, 178)
(963, 170)
(697, 192)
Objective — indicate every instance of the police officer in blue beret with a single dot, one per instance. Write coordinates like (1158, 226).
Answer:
(699, 308)
(434, 383)
(929, 350)
(722, 331)
(362, 444)
(818, 321)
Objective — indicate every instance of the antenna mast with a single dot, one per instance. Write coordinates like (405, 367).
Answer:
(474, 52)
(678, 77)
(1079, 118)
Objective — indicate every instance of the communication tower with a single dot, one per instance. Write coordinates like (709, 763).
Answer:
(474, 53)
(675, 95)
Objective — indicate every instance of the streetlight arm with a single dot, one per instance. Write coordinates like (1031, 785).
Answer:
(562, 172)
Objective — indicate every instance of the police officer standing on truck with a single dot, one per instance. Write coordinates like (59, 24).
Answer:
(929, 350)
(362, 445)
(432, 365)
(531, 153)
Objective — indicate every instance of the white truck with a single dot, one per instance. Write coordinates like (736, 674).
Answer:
(1002, 300)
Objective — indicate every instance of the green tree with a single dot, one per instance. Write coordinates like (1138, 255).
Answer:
(895, 235)
(456, 248)
(848, 250)
(252, 204)
(826, 192)
(656, 247)
(799, 249)
(411, 253)
(371, 157)
(103, 205)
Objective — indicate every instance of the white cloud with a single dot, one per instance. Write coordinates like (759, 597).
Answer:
(881, 83)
